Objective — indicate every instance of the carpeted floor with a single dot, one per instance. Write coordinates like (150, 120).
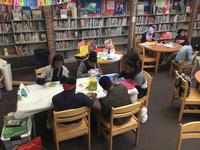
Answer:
(159, 133)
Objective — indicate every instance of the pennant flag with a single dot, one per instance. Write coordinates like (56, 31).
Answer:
(26, 3)
(33, 4)
(41, 2)
(53, 2)
(48, 2)
(21, 2)
(16, 2)
(7, 2)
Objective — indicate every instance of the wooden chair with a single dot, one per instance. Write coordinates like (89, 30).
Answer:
(64, 132)
(38, 72)
(189, 130)
(149, 81)
(189, 104)
(147, 61)
(183, 65)
(108, 129)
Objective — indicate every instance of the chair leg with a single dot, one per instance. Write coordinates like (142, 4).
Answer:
(110, 141)
(181, 113)
(179, 144)
(137, 135)
(89, 141)
(57, 145)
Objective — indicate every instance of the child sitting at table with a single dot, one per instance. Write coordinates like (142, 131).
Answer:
(182, 39)
(69, 99)
(54, 71)
(86, 65)
(117, 95)
(133, 71)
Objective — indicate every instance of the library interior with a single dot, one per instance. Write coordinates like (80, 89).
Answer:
(100, 74)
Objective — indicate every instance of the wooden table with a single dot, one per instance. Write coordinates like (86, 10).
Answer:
(160, 48)
(197, 76)
(107, 62)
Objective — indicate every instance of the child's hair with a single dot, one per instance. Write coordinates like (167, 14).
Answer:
(57, 58)
(69, 80)
(92, 57)
(105, 82)
(133, 60)
(180, 30)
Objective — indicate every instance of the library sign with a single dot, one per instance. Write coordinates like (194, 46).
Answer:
(32, 3)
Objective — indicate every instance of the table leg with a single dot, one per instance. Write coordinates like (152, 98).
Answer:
(157, 62)
(120, 66)
(34, 126)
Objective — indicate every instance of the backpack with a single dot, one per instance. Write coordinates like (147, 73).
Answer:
(179, 84)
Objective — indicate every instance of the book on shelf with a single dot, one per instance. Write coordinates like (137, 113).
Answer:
(26, 13)
(17, 15)
(37, 14)
(120, 7)
(140, 9)
(29, 37)
(63, 13)
(5, 28)
(110, 7)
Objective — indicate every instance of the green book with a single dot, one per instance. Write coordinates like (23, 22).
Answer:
(15, 131)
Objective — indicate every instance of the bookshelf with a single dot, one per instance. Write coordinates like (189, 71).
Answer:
(68, 32)
(20, 36)
(84, 26)
(166, 20)
(196, 32)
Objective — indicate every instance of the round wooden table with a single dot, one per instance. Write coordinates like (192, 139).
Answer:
(197, 76)
(107, 62)
(159, 48)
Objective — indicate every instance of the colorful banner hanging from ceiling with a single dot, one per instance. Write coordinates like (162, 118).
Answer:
(32, 3)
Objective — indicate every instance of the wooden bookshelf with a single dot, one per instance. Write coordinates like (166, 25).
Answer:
(21, 37)
(101, 28)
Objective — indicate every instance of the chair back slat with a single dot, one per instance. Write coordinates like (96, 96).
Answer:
(130, 113)
(191, 127)
(68, 119)
(127, 110)
(149, 81)
(191, 136)
(71, 115)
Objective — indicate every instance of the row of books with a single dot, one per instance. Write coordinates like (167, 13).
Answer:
(162, 19)
(66, 35)
(66, 44)
(28, 26)
(29, 37)
(196, 33)
(158, 28)
(26, 13)
(104, 22)
(6, 39)
(65, 24)
(21, 50)
(90, 33)
(5, 28)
